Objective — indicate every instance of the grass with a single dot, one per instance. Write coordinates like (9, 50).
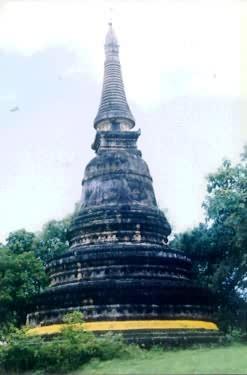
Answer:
(218, 360)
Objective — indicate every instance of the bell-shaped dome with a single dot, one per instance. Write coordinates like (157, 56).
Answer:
(116, 178)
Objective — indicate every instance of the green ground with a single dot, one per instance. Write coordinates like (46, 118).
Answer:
(222, 360)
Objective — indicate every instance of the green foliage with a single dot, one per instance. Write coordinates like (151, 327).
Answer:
(112, 345)
(73, 317)
(22, 268)
(63, 353)
(218, 247)
(53, 240)
(22, 276)
(20, 241)
(6, 328)
(237, 335)
(20, 353)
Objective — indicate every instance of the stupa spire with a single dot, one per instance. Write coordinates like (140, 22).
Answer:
(113, 105)
(111, 44)
(119, 270)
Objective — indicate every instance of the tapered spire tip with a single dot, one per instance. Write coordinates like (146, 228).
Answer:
(113, 105)
(111, 42)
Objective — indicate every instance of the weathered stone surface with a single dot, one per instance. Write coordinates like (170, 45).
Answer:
(113, 104)
(119, 266)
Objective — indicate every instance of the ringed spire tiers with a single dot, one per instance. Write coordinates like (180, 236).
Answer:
(119, 270)
(113, 105)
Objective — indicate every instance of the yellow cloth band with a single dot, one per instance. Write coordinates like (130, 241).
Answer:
(126, 325)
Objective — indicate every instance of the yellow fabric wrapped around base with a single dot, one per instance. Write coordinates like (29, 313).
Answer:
(126, 325)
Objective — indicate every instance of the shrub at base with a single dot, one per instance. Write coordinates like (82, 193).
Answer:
(65, 352)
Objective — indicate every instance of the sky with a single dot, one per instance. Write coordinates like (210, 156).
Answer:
(184, 68)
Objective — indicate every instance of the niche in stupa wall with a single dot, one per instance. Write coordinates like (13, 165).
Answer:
(104, 126)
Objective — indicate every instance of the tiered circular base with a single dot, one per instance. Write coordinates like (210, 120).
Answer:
(146, 332)
(122, 282)
(122, 276)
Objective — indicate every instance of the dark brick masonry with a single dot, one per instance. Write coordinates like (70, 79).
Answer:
(119, 266)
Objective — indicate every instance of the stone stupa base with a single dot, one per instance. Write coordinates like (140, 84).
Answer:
(146, 332)
(119, 270)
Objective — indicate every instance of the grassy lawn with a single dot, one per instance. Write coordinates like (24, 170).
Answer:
(222, 360)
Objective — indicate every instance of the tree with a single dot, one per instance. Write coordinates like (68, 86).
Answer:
(22, 276)
(218, 247)
(20, 241)
(53, 240)
(22, 267)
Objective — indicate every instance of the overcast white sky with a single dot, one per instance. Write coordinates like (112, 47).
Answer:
(184, 68)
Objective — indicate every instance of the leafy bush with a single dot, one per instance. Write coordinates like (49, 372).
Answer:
(73, 317)
(112, 345)
(20, 352)
(63, 353)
